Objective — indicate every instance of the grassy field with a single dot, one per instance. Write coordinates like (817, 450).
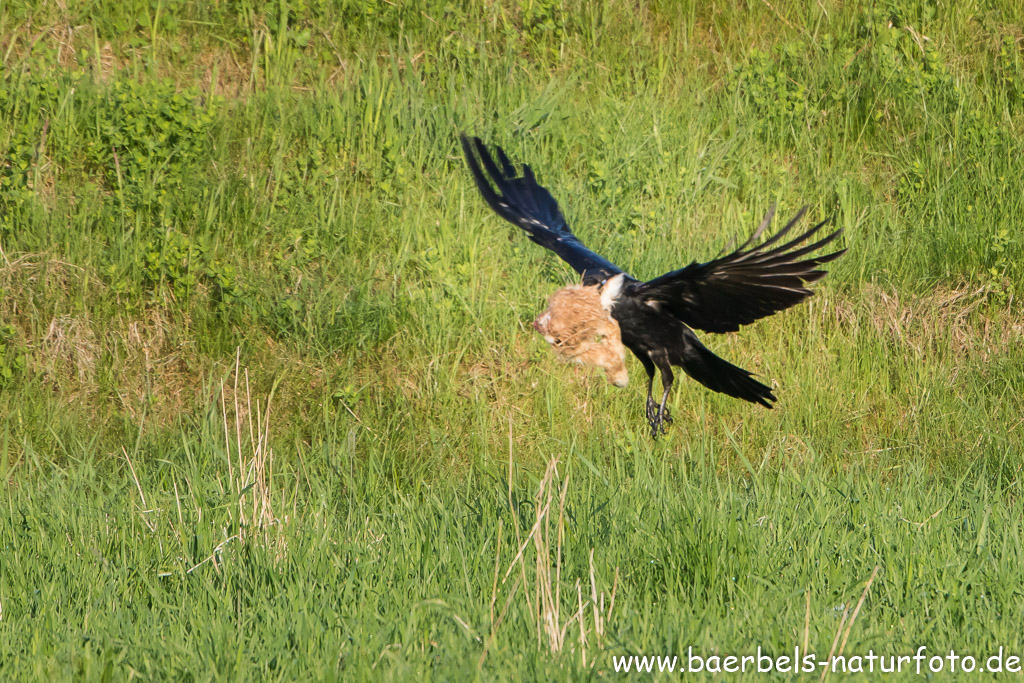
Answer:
(270, 403)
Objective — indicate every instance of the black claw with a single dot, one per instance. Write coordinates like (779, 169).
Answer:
(657, 418)
(652, 412)
(658, 425)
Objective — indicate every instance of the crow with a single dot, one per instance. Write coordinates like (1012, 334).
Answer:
(656, 316)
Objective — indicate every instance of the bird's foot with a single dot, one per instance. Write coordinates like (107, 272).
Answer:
(658, 422)
(652, 411)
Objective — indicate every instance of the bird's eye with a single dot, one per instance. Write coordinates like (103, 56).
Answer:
(604, 282)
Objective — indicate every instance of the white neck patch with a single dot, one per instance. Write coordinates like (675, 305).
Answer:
(610, 291)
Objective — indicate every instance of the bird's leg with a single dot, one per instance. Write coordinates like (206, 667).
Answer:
(652, 407)
(662, 417)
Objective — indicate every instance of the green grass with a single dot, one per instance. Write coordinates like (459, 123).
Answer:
(265, 354)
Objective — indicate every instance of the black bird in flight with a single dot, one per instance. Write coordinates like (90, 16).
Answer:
(656, 317)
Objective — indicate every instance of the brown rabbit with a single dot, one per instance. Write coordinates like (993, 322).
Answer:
(580, 329)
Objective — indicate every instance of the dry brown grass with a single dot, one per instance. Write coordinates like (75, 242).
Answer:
(66, 41)
(948, 322)
(215, 68)
(71, 349)
(539, 579)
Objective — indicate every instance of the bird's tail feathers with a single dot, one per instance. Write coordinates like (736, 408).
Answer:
(720, 375)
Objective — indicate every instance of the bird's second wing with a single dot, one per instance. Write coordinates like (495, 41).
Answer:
(521, 201)
(744, 286)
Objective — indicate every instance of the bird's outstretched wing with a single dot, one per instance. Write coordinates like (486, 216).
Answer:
(521, 201)
(744, 286)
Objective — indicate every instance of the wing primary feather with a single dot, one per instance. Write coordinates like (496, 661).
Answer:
(800, 239)
(760, 229)
(785, 229)
(490, 196)
(530, 198)
(780, 252)
(510, 169)
(488, 162)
